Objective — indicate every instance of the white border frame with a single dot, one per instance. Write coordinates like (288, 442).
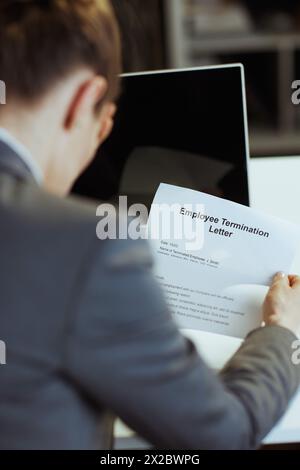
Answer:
(244, 100)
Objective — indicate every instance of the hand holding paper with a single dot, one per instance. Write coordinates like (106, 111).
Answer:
(217, 281)
(282, 304)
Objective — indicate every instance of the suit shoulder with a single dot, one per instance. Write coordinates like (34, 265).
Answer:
(39, 205)
(70, 221)
(71, 207)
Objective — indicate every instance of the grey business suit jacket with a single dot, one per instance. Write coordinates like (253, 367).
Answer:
(89, 336)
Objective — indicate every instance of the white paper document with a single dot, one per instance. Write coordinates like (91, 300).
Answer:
(214, 259)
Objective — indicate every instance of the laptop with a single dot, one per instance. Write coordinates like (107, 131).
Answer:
(183, 127)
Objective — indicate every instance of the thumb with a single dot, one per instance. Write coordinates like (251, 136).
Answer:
(280, 279)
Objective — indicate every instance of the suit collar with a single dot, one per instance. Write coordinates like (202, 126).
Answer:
(12, 163)
(23, 153)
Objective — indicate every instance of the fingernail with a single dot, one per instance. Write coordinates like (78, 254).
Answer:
(280, 275)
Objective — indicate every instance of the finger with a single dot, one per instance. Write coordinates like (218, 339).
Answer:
(294, 281)
(280, 279)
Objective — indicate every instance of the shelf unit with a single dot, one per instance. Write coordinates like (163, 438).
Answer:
(187, 48)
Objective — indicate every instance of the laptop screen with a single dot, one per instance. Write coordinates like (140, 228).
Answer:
(185, 127)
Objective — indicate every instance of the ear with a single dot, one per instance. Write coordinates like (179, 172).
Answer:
(108, 115)
(84, 101)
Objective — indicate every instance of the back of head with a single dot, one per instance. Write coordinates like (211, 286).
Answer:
(41, 42)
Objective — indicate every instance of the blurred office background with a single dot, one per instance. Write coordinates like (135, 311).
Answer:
(262, 34)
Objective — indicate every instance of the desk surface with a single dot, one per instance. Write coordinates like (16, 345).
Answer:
(279, 197)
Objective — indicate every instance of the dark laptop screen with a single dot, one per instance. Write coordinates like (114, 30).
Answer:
(185, 128)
